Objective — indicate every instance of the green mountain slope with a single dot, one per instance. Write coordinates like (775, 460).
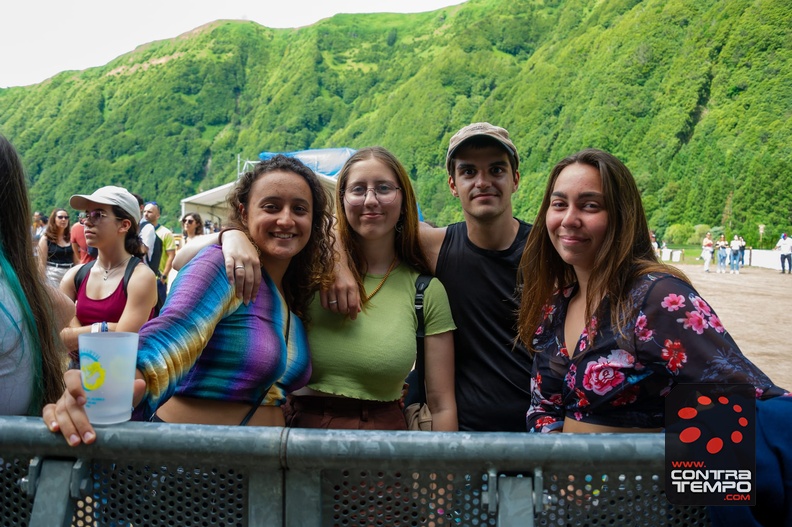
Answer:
(694, 96)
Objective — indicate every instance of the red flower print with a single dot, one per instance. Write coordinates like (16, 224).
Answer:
(539, 330)
(582, 399)
(674, 355)
(570, 377)
(557, 399)
(627, 396)
(605, 374)
(673, 302)
(702, 306)
(695, 321)
(641, 331)
(563, 351)
(547, 310)
(716, 324)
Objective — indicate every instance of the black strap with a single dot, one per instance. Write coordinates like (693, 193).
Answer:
(421, 283)
(82, 273)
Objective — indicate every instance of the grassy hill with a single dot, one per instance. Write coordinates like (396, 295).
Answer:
(695, 97)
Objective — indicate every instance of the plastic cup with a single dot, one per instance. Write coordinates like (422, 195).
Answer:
(107, 365)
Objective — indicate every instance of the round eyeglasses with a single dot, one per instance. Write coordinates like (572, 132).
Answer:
(384, 193)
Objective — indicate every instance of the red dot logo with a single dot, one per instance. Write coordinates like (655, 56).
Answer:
(693, 433)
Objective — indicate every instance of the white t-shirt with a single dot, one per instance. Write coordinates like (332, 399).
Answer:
(149, 236)
(16, 364)
(785, 245)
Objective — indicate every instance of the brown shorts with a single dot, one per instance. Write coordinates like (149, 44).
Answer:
(309, 411)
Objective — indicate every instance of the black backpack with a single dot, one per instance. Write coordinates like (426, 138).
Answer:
(82, 273)
(154, 255)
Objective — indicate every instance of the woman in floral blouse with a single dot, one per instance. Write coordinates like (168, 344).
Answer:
(611, 328)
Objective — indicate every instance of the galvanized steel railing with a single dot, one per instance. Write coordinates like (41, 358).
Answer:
(191, 475)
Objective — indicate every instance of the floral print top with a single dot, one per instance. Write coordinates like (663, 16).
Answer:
(675, 337)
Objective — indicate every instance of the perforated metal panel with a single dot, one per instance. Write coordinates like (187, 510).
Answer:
(15, 506)
(432, 497)
(415, 498)
(196, 496)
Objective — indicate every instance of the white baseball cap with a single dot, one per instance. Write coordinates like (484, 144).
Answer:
(109, 195)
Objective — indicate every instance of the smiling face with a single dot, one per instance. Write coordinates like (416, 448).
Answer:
(577, 221)
(278, 214)
(372, 219)
(484, 181)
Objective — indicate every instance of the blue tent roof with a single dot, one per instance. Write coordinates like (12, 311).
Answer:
(327, 161)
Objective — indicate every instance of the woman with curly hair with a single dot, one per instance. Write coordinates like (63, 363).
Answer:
(192, 226)
(612, 329)
(208, 358)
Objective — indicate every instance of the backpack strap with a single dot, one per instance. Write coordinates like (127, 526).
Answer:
(130, 268)
(421, 283)
(81, 274)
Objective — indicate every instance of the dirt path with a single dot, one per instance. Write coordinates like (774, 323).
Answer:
(756, 308)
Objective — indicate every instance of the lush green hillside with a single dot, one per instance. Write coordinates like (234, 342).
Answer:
(694, 96)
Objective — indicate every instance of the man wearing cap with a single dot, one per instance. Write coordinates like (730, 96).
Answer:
(477, 262)
(785, 246)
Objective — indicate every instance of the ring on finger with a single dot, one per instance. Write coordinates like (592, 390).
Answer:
(332, 301)
(239, 267)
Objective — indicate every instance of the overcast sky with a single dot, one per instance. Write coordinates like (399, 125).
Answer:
(39, 38)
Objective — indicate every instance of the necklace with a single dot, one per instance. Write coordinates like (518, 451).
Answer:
(382, 282)
(108, 270)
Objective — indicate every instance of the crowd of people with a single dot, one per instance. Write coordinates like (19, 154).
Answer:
(293, 316)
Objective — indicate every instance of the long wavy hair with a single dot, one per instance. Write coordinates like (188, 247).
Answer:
(311, 268)
(408, 247)
(626, 253)
(199, 226)
(25, 281)
(51, 231)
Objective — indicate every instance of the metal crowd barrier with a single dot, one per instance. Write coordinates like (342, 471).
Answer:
(149, 474)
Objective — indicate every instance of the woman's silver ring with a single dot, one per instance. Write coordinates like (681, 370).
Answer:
(239, 267)
(332, 301)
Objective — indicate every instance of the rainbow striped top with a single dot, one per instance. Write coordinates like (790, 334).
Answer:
(207, 344)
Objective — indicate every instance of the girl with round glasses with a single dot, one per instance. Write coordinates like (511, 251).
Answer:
(192, 226)
(118, 292)
(55, 252)
(359, 366)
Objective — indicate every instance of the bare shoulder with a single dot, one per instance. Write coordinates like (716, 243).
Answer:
(431, 242)
(142, 274)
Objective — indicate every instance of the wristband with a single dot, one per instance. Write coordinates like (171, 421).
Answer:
(104, 327)
(96, 327)
(223, 231)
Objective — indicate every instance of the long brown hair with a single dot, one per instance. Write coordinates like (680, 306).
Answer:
(408, 247)
(625, 255)
(312, 267)
(26, 282)
(51, 231)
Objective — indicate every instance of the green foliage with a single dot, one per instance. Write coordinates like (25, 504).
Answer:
(695, 97)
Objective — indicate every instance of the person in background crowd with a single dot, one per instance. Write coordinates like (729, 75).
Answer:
(118, 293)
(722, 246)
(785, 246)
(707, 248)
(56, 255)
(192, 226)
(734, 255)
(79, 246)
(37, 230)
(151, 212)
(31, 311)
(742, 252)
(210, 359)
(611, 328)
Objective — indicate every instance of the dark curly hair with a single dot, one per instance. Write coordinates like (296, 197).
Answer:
(312, 267)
